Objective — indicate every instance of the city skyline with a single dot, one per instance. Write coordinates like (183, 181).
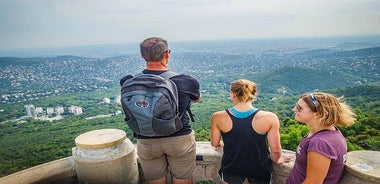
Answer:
(45, 23)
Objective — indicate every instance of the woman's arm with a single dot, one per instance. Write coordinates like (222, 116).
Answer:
(317, 167)
(215, 133)
(274, 141)
(274, 137)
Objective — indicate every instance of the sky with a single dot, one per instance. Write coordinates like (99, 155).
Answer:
(57, 23)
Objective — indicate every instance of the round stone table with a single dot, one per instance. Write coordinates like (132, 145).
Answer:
(362, 166)
(105, 156)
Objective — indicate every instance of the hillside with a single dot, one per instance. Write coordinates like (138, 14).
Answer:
(30, 78)
(33, 142)
(296, 80)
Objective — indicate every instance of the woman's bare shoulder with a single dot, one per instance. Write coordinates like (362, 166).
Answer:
(220, 113)
(266, 114)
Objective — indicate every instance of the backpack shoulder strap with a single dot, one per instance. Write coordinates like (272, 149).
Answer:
(138, 74)
(168, 74)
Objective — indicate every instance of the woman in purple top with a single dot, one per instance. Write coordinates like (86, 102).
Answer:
(322, 154)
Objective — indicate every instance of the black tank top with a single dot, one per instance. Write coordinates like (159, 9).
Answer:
(246, 152)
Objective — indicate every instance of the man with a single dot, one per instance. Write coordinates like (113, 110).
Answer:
(176, 152)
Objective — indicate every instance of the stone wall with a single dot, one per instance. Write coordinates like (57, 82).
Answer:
(361, 167)
(114, 148)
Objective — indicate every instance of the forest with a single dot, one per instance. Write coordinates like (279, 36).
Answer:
(34, 142)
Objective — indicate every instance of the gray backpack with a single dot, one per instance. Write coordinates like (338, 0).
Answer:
(150, 104)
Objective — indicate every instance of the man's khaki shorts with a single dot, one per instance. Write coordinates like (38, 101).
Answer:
(177, 153)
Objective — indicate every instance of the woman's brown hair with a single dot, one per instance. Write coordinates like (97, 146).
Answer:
(245, 90)
(330, 109)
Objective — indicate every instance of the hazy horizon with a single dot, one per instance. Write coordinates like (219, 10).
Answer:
(30, 24)
(224, 45)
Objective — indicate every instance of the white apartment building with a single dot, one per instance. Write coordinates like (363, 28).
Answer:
(59, 110)
(49, 111)
(75, 110)
(106, 100)
(30, 111)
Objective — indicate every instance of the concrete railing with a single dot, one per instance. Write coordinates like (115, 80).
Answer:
(102, 153)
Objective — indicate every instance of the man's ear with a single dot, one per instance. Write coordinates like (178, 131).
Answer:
(166, 55)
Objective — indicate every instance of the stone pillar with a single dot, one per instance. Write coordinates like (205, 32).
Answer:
(281, 172)
(362, 167)
(105, 156)
(207, 163)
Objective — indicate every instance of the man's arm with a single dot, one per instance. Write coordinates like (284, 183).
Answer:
(197, 100)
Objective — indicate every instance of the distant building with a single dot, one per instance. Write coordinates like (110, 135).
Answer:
(39, 110)
(30, 111)
(118, 99)
(75, 110)
(106, 100)
(59, 110)
(282, 90)
(49, 111)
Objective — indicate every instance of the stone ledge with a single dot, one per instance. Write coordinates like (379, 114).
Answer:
(207, 165)
(51, 172)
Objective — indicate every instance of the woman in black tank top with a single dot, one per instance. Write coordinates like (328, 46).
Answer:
(247, 134)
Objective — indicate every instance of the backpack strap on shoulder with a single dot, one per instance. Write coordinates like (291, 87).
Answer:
(168, 74)
(138, 74)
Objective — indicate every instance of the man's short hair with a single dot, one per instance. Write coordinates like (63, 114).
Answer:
(153, 49)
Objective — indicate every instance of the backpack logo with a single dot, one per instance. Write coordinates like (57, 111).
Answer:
(142, 103)
(150, 104)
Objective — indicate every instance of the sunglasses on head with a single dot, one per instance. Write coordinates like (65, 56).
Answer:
(313, 99)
